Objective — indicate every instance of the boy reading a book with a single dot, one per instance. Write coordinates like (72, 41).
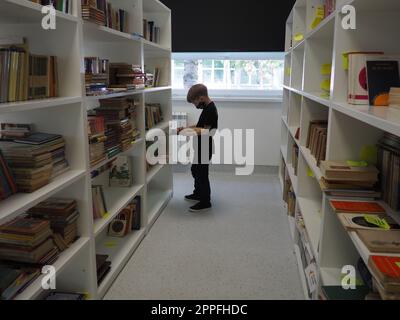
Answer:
(198, 96)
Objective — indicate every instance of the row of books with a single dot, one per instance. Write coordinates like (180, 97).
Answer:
(380, 234)
(65, 6)
(34, 160)
(101, 12)
(103, 77)
(153, 78)
(153, 115)
(127, 220)
(151, 32)
(24, 75)
(98, 202)
(371, 75)
(317, 139)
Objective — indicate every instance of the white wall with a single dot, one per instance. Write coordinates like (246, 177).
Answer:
(264, 117)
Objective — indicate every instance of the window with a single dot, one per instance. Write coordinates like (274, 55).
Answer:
(229, 74)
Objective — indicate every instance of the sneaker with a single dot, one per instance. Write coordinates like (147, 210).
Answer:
(192, 198)
(200, 207)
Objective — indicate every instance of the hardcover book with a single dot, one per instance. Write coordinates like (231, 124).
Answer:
(356, 206)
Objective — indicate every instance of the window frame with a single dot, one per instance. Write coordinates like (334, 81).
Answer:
(229, 94)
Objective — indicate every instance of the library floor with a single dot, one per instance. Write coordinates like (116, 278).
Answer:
(239, 250)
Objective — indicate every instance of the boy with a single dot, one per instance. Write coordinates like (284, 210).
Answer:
(198, 96)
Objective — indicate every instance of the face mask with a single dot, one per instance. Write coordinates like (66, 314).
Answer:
(201, 105)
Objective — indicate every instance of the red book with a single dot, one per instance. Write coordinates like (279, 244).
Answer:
(387, 269)
(357, 206)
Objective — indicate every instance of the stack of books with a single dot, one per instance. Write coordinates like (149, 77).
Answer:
(91, 13)
(386, 271)
(96, 76)
(151, 32)
(119, 115)
(153, 115)
(103, 267)
(349, 179)
(126, 221)
(60, 5)
(14, 279)
(317, 139)
(98, 202)
(27, 240)
(12, 131)
(389, 166)
(35, 159)
(97, 138)
(124, 76)
(43, 77)
(63, 216)
(8, 185)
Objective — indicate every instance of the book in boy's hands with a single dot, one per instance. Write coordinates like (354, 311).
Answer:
(381, 75)
(380, 241)
(347, 206)
(38, 138)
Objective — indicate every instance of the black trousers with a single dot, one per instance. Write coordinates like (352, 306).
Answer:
(201, 182)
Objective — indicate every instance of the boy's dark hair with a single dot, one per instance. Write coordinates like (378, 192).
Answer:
(197, 91)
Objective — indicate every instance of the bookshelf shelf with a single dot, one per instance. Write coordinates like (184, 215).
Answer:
(119, 251)
(310, 210)
(37, 104)
(153, 172)
(22, 11)
(312, 94)
(116, 204)
(156, 203)
(20, 202)
(301, 272)
(312, 163)
(97, 33)
(133, 147)
(72, 41)
(35, 289)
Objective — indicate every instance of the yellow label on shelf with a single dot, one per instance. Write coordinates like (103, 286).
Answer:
(298, 37)
(110, 244)
(316, 23)
(326, 85)
(326, 69)
(288, 71)
(345, 61)
(106, 215)
(87, 295)
(398, 264)
(375, 220)
(310, 173)
(320, 12)
(357, 163)
(369, 154)
(325, 95)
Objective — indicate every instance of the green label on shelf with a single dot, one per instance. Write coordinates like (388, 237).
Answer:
(110, 244)
(375, 220)
(310, 173)
(298, 37)
(369, 154)
(357, 163)
(345, 60)
(326, 85)
(106, 215)
(326, 69)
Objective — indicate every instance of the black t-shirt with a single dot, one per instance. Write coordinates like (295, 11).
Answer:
(208, 120)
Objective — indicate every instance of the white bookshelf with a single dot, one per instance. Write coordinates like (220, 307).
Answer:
(350, 127)
(73, 40)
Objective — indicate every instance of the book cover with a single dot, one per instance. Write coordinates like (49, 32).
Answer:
(381, 75)
(378, 241)
(355, 221)
(120, 172)
(356, 206)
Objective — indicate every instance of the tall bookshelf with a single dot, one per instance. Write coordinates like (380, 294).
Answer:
(71, 41)
(350, 128)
